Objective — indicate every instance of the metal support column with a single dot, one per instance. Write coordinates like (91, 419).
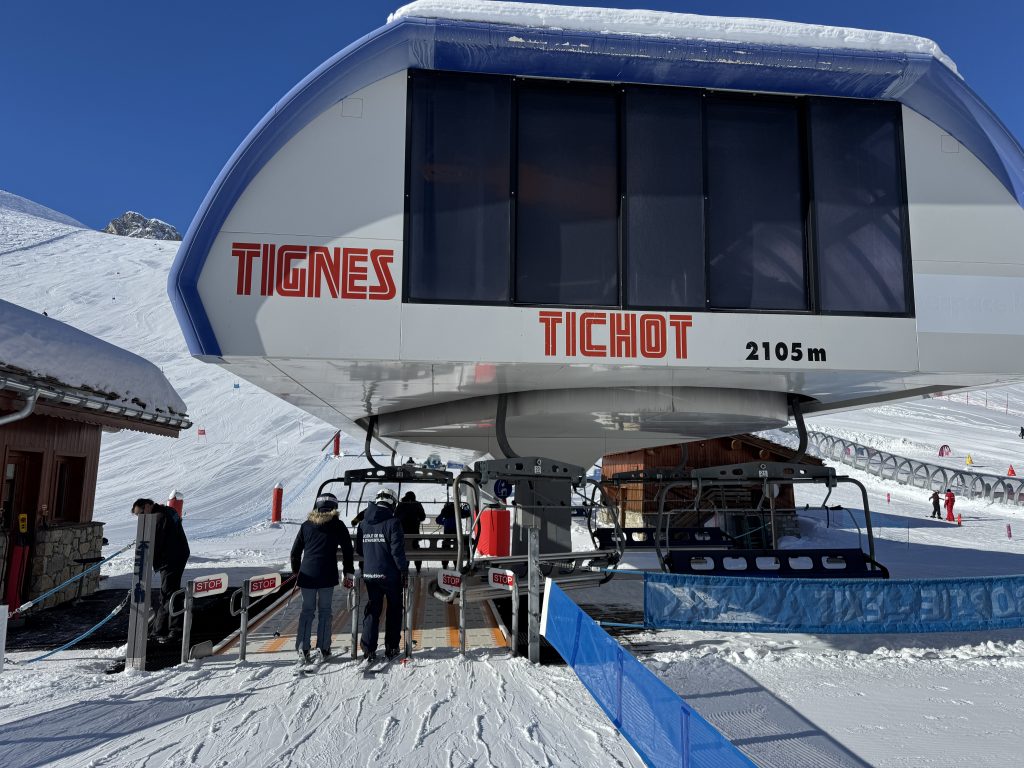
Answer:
(534, 582)
(138, 613)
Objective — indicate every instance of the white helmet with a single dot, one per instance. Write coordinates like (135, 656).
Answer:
(386, 497)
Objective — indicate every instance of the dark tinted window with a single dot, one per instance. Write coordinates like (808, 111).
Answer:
(567, 201)
(858, 194)
(755, 214)
(664, 199)
(459, 189)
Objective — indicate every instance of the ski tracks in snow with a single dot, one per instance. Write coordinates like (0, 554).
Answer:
(485, 710)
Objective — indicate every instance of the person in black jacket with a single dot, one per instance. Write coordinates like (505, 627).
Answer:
(410, 514)
(447, 520)
(315, 560)
(170, 553)
(381, 542)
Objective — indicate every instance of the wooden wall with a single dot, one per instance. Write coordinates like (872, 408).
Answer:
(53, 437)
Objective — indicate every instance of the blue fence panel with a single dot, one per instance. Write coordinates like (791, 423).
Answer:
(661, 726)
(833, 606)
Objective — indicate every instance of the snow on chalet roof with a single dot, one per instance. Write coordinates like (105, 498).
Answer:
(52, 352)
(680, 26)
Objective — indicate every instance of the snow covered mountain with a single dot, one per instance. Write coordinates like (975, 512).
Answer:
(132, 224)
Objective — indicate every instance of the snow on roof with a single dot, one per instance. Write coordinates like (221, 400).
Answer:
(48, 349)
(683, 26)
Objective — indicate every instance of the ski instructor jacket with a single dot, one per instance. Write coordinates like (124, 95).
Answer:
(315, 550)
(381, 541)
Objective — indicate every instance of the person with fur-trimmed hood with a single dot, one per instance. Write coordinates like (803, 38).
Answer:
(315, 561)
(381, 542)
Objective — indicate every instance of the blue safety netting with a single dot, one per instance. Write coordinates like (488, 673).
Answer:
(833, 606)
(661, 727)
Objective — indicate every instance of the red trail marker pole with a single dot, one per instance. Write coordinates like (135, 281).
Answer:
(275, 507)
(177, 502)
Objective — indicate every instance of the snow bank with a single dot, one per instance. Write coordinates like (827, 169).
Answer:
(49, 349)
(682, 26)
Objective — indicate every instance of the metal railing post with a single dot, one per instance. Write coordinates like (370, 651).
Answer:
(462, 614)
(409, 592)
(243, 630)
(513, 645)
(186, 631)
(138, 614)
(533, 575)
(353, 598)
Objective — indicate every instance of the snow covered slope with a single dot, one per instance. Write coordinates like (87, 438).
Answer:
(115, 288)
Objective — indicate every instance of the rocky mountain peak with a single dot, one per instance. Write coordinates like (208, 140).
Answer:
(132, 224)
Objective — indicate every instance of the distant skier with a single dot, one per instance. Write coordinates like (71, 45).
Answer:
(315, 560)
(950, 501)
(1022, 433)
(381, 542)
(170, 554)
(935, 505)
(410, 514)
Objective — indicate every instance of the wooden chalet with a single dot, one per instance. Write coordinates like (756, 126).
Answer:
(49, 456)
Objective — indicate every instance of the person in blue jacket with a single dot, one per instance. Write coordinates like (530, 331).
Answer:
(381, 542)
(315, 560)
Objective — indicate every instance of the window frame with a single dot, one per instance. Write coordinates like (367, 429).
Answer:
(902, 203)
(621, 92)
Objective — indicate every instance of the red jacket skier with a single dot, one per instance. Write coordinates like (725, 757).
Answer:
(950, 500)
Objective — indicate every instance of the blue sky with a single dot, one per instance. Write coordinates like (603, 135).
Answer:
(111, 105)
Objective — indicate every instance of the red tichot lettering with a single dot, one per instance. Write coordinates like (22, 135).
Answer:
(604, 334)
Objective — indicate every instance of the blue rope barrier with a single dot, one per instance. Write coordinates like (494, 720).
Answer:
(85, 634)
(25, 606)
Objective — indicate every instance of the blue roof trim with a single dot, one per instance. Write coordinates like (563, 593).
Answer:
(917, 80)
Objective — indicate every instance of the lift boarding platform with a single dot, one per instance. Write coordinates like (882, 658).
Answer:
(431, 625)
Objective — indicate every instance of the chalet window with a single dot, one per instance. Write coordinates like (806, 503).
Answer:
(70, 484)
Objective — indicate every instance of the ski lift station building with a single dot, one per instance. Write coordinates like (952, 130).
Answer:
(640, 227)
